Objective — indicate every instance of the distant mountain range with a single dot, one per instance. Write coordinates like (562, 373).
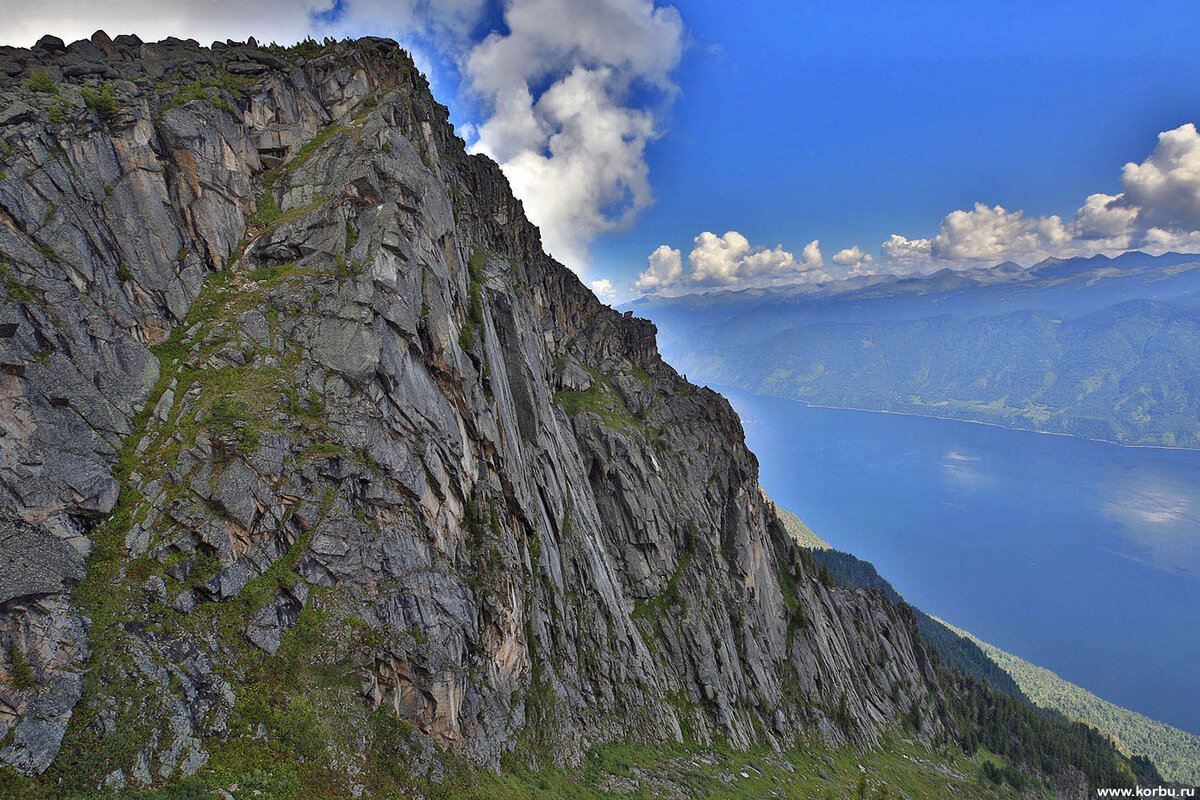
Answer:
(1106, 348)
(1175, 753)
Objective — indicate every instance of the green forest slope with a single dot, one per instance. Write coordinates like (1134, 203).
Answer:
(1176, 753)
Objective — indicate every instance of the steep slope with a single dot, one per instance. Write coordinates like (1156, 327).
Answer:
(361, 471)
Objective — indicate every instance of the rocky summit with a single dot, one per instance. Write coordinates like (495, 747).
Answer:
(308, 451)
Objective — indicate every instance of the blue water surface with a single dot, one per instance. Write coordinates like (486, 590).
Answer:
(1080, 556)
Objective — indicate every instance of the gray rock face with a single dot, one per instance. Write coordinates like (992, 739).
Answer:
(381, 421)
(43, 640)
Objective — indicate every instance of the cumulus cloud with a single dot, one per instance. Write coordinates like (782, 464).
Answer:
(855, 260)
(1157, 241)
(604, 289)
(900, 250)
(1166, 186)
(1103, 216)
(1159, 210)
(665, 269)
(562, 123)
(729, 260)
(810, 256)
(992, 233)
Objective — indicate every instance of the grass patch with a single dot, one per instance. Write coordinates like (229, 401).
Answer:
(475, 266)
(18, 291)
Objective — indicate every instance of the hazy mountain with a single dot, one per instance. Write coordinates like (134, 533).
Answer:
(1098, 347)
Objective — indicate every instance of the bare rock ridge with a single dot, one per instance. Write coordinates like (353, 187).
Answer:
(340, 442)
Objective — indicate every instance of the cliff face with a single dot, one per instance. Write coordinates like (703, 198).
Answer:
(291, 369)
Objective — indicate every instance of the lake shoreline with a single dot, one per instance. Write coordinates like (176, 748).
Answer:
(717, 387)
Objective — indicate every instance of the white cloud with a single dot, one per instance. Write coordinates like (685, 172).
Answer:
(603, 289)
(994, 233)
(1166, 186)
(1158, 211)
(898, 249)
(729, 261)
(665, 269)
(1158, 241)
(853, 257)
(811, 255)
(575, 150)
(1102, 216)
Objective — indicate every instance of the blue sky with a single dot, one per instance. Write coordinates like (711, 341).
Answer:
(850, 121)
(677, 147)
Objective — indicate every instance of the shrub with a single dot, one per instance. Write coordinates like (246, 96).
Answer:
(102, 102)
(206, 567)
(299, 727)
(40, 81)
(20, 672)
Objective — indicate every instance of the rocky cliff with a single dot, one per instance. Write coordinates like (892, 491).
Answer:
(353, 464)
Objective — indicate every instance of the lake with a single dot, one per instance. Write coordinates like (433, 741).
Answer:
(1080, 556)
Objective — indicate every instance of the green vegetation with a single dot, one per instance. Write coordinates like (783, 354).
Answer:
(307, 48)
(280, 771)
(229, 422)
(212, 90)
(1176, 753)
(801, 533)
(635, 772)
(1022, 735)
(475, 265)
(267, 212)
(601, 399)
(40, 81)
(20, 674)
(670, 598)
(18, 292)
(102, 102)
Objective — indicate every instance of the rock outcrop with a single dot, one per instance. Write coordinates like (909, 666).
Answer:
(339, 440)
